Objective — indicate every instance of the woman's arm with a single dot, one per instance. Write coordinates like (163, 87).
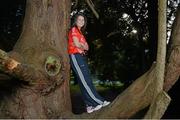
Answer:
(78, 44)
(86, 47)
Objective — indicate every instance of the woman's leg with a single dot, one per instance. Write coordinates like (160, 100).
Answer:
(82, 70)
(87, 99)
(89, 80)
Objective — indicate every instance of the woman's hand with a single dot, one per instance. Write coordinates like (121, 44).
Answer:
(85, 46)
(85, 52)
(80, 45)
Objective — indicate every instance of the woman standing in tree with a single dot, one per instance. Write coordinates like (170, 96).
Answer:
(77, 47)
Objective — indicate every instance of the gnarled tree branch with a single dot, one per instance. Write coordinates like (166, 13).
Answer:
(75, 4)
(135, 98)
(22, 71)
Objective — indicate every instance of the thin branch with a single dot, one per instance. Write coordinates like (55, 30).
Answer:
(161, 50)
(76, 3)
(113, 33)
(91, 5)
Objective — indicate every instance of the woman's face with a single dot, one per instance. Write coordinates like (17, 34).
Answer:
(80, 21)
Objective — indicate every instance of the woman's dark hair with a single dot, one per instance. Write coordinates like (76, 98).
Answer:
(85, 21)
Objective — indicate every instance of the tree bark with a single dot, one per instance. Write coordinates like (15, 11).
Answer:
(161, 50)
(156, 110)
(173, 64)
(158, 106)
(43, 37)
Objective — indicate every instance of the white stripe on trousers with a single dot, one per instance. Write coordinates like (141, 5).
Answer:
(83, 80)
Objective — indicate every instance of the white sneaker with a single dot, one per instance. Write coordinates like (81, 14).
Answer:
(89, 109)
(105, 103)
(97, 107)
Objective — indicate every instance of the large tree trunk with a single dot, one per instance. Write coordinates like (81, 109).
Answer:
(45, 94)
(173, 61)
(43, 37)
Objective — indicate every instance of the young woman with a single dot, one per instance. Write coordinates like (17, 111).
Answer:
(77, 48)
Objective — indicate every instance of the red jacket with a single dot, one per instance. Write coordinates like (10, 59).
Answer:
(72, 49)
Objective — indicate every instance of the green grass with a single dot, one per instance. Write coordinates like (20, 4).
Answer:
(75, 88)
